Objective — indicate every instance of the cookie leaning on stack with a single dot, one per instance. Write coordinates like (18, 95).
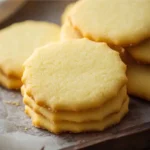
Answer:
(17, 43)
(75, 85)
(117, 22)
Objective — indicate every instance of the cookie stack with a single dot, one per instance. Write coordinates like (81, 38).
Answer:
(17, 42)
(74, 86)
(120, 24)
(138, 72)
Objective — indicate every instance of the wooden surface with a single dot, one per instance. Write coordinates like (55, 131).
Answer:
(132, 133)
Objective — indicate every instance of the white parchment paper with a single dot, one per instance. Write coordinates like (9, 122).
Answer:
(16, 130)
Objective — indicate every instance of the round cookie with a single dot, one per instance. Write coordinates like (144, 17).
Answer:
(68, 32)
(141, 52)
(66, 12)
(74, 75)
(117, 22)
(18, 41)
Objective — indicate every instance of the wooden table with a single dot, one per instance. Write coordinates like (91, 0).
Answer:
(133, 132)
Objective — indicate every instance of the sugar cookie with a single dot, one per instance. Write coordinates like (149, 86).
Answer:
(18, 41)
(117, 22)
(74, 75)
(141, 52)
(138, 77)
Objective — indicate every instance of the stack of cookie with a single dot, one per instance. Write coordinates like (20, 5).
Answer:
(17, 42)
(75, 86)
(138, 61)
(120, 24)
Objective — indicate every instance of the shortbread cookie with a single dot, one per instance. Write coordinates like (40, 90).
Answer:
(63, 126)
(66, 12)
(113, 106)
(9, 82)
(141, 52)
(18, 41)
(68, 32)
(117, 22)
(74, 75)
(138, 78)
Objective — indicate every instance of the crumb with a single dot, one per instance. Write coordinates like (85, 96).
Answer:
(12, 103)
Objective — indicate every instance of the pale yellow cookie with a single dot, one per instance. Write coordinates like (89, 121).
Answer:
(74, 75)
(68, 32)
(10, 82)
(63, 126)
(18, 41)
(138, 78)
(113, 106)
(66, 12)
(141, 52)
(139, 81)
(117, 22)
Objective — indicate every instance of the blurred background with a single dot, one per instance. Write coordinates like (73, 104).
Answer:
(19, 10)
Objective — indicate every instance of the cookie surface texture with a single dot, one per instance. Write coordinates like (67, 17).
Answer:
(74, 75)
(18, 41)
(117, 22)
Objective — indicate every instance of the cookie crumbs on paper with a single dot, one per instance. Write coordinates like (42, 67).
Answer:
(12, 103)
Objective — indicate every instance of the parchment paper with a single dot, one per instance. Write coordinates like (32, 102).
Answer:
(17, 132)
